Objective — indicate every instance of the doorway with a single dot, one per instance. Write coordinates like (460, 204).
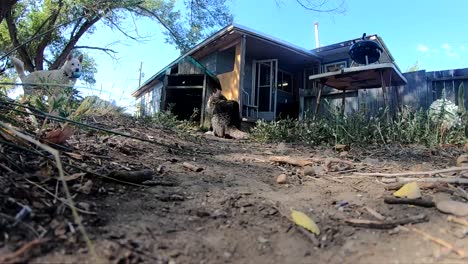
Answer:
(264, 91)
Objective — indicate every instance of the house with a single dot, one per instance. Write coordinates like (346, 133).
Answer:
(267, 76)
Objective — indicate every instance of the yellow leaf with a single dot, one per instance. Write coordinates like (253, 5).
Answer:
(410, 190)
(306, 222)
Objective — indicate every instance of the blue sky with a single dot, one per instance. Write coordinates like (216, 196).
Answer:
(431, 32)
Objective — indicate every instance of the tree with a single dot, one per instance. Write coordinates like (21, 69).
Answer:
(415, 67)
(5, 7)
(320, 6)
(44, 32)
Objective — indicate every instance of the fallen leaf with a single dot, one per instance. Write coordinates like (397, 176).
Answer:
(59, 136)
(74, 176)
(306, 222)
(410, 190)
(74, 155)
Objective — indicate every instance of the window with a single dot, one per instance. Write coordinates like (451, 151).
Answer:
(335, 66)
(285, 81)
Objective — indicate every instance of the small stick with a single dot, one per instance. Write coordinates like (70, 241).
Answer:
(132, 176)
(457, 220)
(386, 224)
(440, 180)
(64, 201)
(309, 236)
(23, 249)
(418, 202)
(422, 185)
(410, 173)
(290, 161)
(374, 213)
(439, 241)
(192, 167)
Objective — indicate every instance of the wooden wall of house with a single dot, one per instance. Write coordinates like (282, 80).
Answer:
(230, 80)
(186, 67)
(421, 90)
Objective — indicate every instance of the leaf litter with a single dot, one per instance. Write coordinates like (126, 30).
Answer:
(147, 195)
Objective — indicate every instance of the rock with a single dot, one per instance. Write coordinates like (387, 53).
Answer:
(282, 179)
(85, 206)
(465, 148)
(462, 160)
(86, 187)
(282, 149)
(344, 154)
(453, 207)
(341, 147)
(219, 213)
(262, 240)
(309, 171)
(372, 162)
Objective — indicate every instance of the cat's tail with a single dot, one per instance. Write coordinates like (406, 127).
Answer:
(236, 133)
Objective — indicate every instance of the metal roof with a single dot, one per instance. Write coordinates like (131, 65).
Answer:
(221, 32)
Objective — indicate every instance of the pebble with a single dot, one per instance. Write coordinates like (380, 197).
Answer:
(453, 207)
(282, 179)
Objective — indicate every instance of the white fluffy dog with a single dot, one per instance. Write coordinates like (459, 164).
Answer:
(63, 77)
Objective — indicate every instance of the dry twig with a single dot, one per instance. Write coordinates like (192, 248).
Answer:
(419, 202)
(386, 224)
(439, 241)
(457, 220)
(10, 258)
(412, 173)
(58, 162)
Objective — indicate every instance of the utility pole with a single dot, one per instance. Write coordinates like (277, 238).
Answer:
(140, 74)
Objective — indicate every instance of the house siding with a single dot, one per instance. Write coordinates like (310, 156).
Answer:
(150, 101)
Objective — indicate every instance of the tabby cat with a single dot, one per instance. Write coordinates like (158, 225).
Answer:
(225, 117)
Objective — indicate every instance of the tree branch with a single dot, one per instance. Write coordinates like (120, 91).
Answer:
(39, 58)
(106, 50)
(72, 42)
(161, 21)
(5, 7)
(13, 31)
(318, 7)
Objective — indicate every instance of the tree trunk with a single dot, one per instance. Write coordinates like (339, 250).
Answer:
(5, 7)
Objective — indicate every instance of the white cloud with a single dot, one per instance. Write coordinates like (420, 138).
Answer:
(422, 48)
(446, 46)
(449, 51)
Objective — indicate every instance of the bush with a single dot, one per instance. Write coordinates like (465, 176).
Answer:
(407, 127)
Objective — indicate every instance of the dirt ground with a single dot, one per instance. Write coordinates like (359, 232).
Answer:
(233, 211)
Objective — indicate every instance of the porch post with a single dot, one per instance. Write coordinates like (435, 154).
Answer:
(241, 74)
(343, 101)
(317, 104)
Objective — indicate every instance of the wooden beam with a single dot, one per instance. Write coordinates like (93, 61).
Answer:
(319, 94)
(343, 101)
(203, 106)
(241, 72)
(222, 43)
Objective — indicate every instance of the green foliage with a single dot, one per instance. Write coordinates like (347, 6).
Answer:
(44, 32)
(407, 127)
(95, 106)
(461, 98)
(415, 67)
(168, 120)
